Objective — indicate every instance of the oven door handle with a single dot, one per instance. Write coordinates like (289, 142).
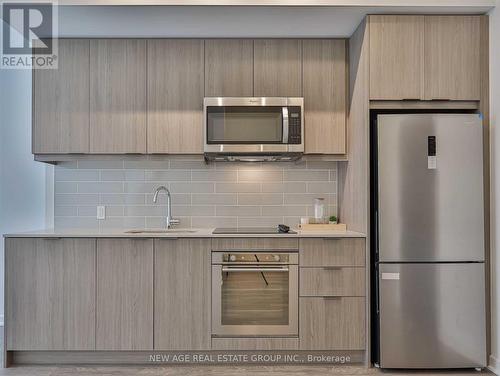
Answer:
(238, 269)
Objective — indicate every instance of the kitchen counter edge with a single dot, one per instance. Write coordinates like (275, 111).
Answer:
(200, 233)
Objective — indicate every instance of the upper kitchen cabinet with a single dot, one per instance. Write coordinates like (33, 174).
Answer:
(117, 96)
(425, 57)
(175, 96)
(277, 68)
(452, 57)
(61, 102)
(396, 64)
(325, 80)
(229, 68)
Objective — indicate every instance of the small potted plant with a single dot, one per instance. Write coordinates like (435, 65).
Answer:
(333, 220)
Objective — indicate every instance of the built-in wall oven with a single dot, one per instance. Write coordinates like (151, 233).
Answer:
(255, 293)
(248, 128)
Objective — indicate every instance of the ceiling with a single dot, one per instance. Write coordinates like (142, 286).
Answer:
(347, 3)
(234, 21)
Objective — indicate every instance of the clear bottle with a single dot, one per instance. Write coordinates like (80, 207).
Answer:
(319, 210)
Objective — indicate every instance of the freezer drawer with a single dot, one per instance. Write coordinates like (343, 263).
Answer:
(432, 315)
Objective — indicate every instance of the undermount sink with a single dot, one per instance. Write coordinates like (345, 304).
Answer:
(159, 231)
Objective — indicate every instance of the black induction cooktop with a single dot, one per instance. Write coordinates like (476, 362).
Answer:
(250, 230)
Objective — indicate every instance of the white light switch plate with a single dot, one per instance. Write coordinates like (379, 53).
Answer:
(101, 212)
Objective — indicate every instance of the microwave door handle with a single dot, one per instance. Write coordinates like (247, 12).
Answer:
(284, 111)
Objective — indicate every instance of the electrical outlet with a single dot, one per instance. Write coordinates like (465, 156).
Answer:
(101, 212)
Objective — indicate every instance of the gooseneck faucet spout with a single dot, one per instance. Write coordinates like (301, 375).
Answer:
(169, 220)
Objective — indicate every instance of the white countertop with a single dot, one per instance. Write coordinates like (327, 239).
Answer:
(174, 233)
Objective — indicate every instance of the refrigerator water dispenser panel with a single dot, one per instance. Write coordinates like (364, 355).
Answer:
(431, 153)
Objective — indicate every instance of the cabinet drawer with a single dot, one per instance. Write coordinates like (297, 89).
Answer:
(332, 252)
(254, 243)
(332, 281)
(332, 323)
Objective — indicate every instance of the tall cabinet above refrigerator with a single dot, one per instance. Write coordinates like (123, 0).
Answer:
(428, 215)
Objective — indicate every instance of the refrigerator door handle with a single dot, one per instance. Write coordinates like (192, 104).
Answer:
(377, 303)
(376, 232)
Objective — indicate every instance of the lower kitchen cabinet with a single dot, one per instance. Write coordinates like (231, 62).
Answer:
(124, 294)
(182, 313)
(133, 294)
(332, 323)
(50, 294)
(332, 292)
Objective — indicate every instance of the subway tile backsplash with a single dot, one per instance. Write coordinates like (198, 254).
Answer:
(213, 195)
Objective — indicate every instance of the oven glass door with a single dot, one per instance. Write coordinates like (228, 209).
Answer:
(255, 300)
(244, 124)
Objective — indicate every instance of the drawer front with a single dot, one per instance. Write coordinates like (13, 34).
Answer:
(254, 243)
(255, 343)
(332, 323)
(332, 281)
(332, 252)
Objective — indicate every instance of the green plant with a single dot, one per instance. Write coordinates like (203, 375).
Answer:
(333, 218)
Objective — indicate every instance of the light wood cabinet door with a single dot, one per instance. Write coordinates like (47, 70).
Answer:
(396, 57)
(332, 252)
(61, 102)
(50, 294)
(452, 57)
(229, 68)
(334, 323)
(182, 294)
(332, 281)
(124, 294)
(117, 96)
(278, 68)
(175, 96)
(325, 80)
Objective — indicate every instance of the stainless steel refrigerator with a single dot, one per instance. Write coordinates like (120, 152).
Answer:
(429, 240)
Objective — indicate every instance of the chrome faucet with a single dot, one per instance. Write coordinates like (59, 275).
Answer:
(169, 220)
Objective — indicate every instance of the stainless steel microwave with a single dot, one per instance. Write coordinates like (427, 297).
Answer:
(247, 128)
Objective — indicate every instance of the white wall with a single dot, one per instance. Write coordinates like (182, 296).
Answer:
(22, 180)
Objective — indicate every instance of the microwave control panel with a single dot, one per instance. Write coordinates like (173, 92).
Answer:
(294, 125)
